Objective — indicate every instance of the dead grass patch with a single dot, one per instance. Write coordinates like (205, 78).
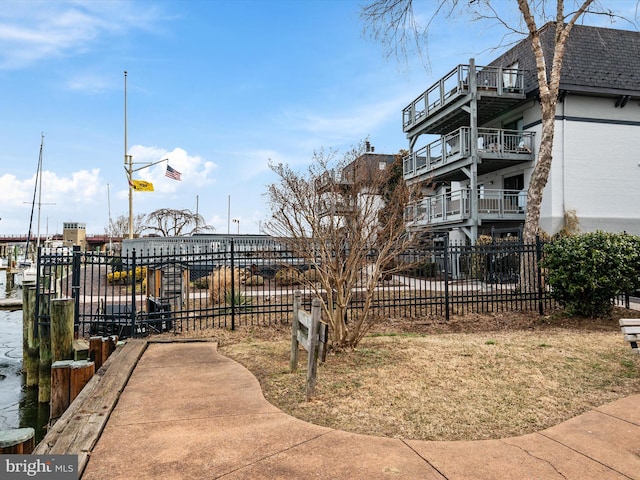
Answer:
(508, 374)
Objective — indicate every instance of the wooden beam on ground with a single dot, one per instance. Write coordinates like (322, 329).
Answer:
(80, 426)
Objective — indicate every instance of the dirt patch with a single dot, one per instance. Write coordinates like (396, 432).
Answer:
(474, 377)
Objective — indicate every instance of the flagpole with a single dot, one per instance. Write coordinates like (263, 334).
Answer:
(128, 160)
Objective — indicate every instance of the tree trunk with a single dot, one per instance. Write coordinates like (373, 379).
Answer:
(540, 176)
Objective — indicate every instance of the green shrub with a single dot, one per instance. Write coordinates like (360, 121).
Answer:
(427, 269)
(587, 271)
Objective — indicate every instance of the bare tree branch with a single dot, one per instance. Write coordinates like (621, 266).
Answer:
(169, 222)
(332, 216)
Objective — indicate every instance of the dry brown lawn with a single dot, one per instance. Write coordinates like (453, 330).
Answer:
(476, 377)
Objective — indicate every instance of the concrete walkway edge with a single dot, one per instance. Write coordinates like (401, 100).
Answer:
(189, 412)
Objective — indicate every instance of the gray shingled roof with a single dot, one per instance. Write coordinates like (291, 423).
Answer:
(596, 59)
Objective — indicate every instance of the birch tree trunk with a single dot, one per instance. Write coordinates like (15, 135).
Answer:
(548, 85)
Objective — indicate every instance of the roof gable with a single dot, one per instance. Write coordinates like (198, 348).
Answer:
(595, 59)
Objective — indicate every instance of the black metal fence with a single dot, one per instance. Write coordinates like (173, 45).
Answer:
(195, 288)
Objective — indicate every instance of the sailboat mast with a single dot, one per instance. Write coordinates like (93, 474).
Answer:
(39, 190)
(33, 202)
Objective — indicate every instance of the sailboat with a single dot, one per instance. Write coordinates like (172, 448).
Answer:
(27, 269)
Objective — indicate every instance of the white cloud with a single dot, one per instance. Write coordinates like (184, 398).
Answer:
(35, 30)
(91, 82)
(62, 198)
(347, 125)
(195, 171)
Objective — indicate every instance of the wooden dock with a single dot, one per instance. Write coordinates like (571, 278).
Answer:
(10, 304)
(78, 429)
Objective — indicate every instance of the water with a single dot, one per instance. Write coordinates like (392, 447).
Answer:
(19, 405)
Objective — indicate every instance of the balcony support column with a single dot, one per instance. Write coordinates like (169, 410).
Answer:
(473, 130)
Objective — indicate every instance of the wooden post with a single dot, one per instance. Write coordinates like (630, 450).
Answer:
(81, 373)
(61, 329)
(106, 347)
(44, 337)
(323, 338)
(30, 346)
(293, 363)
(95, 351)
(60, 387)
(312, 365)
(10, 273)
(313, 337)
(18, 441)
(112, 343)
(80, 349)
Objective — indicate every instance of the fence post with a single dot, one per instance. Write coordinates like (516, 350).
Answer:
(133, 293)
(75, 284)
(446, 276)
(293, 363)
(233, 289)
(539, 272)
(627, 301)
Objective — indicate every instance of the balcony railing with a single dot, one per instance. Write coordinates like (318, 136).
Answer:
(336, 206)
(457, 145)
(455, 83)
(333, 179)
(452, 207)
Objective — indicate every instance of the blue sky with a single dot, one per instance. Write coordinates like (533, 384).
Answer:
(217, 87)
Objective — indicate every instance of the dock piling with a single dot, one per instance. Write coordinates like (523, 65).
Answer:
(30, 345)
(61, 329)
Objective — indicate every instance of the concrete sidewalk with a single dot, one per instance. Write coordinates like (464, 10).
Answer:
(189, 412)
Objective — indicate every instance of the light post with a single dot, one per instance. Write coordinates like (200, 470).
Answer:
(237, 220)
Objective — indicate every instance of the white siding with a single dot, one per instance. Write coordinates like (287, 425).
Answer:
(596, 169)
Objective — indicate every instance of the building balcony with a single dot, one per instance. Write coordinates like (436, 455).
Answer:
(336, 208)
(454, 208)
(334, 181)
(445, 158)
(438, 109)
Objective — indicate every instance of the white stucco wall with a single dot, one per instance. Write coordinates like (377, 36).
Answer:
(596, 169)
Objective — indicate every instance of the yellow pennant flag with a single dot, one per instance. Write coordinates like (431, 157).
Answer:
(141, 185)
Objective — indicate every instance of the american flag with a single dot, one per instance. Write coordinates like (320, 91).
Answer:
(172, 173)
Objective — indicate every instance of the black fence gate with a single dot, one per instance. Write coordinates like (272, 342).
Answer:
(187, 288)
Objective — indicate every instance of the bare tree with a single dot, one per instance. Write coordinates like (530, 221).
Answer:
(392, 22)
(330, 218)
(119, 228)
(169, 222)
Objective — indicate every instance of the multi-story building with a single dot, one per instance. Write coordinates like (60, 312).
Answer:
(473, 138)
(343, 191)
